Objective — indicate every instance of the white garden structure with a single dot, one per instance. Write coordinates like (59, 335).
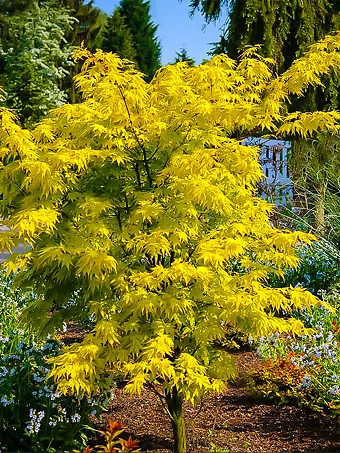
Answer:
(276, 186)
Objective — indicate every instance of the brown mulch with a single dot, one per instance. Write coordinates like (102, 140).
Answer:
(229, 422)
(75, 333)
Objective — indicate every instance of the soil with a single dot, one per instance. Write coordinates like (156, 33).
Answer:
(226, 423)
(229, 422)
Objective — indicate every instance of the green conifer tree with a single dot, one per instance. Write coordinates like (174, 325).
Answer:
(182, 55)
(87, 30)
(137, 17)
(89, 22)
(284, 28)
(117, 37)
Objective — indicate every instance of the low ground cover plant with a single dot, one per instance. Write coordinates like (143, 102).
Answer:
(277, 382)
(114, 441)
(303, 370)
(34, 416)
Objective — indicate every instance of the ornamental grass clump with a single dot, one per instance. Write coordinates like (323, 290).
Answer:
(140, 199)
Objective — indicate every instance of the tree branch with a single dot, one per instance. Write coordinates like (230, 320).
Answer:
(145, 160)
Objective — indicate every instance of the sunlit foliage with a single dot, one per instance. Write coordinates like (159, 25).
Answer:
(140, 204)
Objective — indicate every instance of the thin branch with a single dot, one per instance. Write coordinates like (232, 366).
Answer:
(147, 168)
(199, 410)
(154, 153)
(175, 149)
(119, 220)
(138, 175)
(161, 397)
(127, 207)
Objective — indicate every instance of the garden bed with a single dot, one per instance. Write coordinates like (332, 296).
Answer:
(229, 422)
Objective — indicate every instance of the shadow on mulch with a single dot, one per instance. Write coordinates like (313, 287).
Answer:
(149, 442)
(228, 422)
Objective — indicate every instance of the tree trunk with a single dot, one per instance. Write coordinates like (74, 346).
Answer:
(175, 406)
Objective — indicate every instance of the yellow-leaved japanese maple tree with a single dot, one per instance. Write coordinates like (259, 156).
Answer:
(139, 205)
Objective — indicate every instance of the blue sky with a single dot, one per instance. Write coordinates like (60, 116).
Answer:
(176, 29)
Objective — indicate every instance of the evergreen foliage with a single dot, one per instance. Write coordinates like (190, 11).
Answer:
(211, 9)
(88, 25)
(87, 28)
(117, 37)
(10, 7)
(182, 55)
(137, 17)
(284, 28)
(138, 201)
(36, 59)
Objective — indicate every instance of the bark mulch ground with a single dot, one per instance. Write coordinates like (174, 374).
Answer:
(229, 422)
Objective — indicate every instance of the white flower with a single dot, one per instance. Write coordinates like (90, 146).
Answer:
(75, 418)
(306, 381)
(334, 390)
(5, 401)
(3, 371)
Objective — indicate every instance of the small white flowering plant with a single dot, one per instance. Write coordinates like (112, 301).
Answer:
(313, 362)
(33, 415)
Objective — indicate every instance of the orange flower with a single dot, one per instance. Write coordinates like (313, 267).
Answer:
(114, 426)
(87, 449)
(129, 445)
(335, 327)
(113, 431)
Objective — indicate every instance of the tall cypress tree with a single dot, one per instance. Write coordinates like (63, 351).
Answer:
(137, 17)
(117, 37)
(89, 22)
(86, 30)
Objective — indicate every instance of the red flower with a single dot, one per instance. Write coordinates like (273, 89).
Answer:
(87, 449)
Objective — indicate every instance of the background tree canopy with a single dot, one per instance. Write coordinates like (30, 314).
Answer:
(35, 60)
(131, 33)
(284, 28)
